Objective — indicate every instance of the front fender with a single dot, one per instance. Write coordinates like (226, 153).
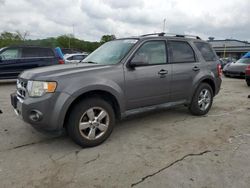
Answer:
(73, 91)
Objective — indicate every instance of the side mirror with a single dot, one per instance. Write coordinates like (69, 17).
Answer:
(139, 60)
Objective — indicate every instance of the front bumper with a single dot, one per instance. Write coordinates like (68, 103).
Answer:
(44, 113)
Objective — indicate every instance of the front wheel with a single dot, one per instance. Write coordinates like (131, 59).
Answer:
(202, 100)
(91, 122)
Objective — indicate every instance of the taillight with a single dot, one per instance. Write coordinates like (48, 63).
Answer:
(248, 70)
(219, 70)
(60, 61)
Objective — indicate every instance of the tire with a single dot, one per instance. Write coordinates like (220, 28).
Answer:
(248, 82)
(226, 75)
(206, 101)
(84, 116)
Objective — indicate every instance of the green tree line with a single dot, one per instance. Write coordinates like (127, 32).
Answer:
(63, 41)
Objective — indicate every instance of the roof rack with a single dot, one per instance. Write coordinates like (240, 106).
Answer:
(171, 34)
(152, 34)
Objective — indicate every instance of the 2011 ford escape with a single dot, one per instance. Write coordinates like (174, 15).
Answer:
(120, 76)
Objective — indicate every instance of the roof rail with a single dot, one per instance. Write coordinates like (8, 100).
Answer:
(171, 34)
(151, 34)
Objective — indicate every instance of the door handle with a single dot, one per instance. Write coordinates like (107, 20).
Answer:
(195, 68)
(163, 72)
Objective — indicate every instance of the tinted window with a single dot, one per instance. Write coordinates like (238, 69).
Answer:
(70, 58)
(11, 53)
(37, 52)
(181, 52)
(206, 51)
(153, 52)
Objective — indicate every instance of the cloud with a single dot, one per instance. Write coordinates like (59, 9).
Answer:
(90, 19)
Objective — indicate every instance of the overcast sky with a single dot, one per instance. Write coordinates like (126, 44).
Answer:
(90, 19)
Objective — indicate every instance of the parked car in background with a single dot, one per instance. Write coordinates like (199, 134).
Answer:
(247, 75)
(75, 58)
(227, 60)
(116, 80)
(70, 51)
(222, 63)
(14, 60)
(236, 69)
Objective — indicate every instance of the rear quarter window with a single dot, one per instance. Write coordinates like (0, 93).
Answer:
(206, 51)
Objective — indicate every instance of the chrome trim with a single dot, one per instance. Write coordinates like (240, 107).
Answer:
(19, 99)
(16, 112)
(21, 89)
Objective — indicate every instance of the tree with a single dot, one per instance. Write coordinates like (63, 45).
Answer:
(8, 38)
(23, 35)
(106, 38)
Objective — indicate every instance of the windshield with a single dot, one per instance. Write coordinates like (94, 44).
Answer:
(111, 52)
(244, 60)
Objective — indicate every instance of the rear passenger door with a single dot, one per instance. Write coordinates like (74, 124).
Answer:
(185, 67)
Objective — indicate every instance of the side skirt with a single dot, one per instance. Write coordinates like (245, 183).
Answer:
(152, 108)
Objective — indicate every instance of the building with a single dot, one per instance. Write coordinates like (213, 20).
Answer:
(230, 47)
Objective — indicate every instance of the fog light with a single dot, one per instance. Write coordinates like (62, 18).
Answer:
(35, 115)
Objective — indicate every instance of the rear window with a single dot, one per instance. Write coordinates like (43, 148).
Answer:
(180, 52)
(37, 52)
(78, 57)
(206, 51)
(244, 60)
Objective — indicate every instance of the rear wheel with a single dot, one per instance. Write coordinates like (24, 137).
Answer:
(202, 100)
(91, 122)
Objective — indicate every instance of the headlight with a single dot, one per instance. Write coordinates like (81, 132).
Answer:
(39, 88)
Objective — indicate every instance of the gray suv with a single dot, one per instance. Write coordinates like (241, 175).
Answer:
(120, 76)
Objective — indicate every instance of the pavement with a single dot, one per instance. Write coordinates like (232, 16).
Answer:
(162, 148)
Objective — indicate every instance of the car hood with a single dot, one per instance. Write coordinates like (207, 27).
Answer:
(237, 67)
(51, 72)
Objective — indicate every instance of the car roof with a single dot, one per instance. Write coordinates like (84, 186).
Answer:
(164, 36)
(27, 46)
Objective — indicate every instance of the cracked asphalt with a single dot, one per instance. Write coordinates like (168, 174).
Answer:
(162, 148)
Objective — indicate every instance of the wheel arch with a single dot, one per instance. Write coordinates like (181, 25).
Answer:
(207, 80)
(106, 95)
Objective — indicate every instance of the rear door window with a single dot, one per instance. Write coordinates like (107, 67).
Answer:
(181, 52)
(206, 51)
(11, 53)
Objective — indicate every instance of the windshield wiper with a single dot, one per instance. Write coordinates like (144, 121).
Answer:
(92, 62)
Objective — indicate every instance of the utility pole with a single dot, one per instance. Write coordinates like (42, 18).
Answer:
(73, 29)
(164, 25)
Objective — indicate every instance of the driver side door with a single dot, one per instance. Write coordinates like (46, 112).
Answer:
(148, 83)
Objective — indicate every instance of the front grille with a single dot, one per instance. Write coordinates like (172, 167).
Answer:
(22, 88)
